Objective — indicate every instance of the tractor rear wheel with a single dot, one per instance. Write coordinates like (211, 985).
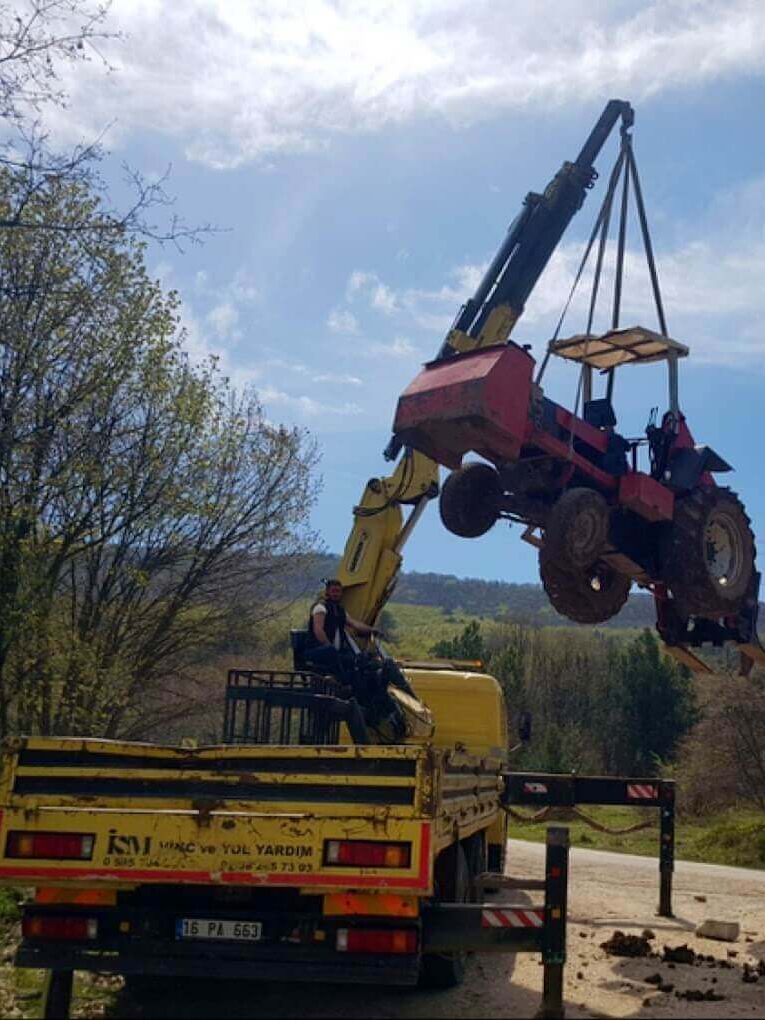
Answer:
(468, 502)
(590, 596)
(577, 529)
(708, 553)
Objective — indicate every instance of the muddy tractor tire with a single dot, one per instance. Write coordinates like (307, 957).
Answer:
(592, 595)
(468, 501)
(577, 529)
(708, 553)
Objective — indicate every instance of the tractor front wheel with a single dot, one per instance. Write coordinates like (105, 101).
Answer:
(707, 555)
(577, 529)
(589, 596)
(468, 502)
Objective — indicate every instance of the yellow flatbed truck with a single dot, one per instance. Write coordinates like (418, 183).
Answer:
(330, 860)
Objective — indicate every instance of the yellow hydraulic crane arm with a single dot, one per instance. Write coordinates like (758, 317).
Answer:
(372, 557)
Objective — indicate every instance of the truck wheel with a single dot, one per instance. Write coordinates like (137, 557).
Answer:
(577, 529)
(585, 596)
(57, 994)
(145, 989)
(447, 970)
(707, 555)
(468, 501)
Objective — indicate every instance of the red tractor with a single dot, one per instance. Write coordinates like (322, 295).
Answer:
(604, 510)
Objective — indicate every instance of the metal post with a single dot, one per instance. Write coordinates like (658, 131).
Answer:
(666, 848)
(554, 947)
(674, 396)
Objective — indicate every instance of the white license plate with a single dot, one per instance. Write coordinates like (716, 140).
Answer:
(208, 928)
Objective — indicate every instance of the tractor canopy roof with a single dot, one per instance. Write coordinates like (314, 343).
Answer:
(634, 345)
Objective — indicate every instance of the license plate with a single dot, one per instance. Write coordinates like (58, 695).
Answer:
(208, 928)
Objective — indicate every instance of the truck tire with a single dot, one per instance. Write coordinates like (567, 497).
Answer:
(707, 555)
(467, 503)
(447, 970)
(577, 529)
(146, 989)
(585, 596)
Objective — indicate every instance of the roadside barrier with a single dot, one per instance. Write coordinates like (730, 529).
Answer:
(550, 790)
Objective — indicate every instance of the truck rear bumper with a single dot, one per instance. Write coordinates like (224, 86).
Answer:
(168, 959)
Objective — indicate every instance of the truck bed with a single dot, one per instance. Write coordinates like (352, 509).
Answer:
(235, 816)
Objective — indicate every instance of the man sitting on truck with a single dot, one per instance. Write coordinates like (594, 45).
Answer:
(328, 649)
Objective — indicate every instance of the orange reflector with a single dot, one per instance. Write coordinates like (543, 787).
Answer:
(87, 897)
(370, 905)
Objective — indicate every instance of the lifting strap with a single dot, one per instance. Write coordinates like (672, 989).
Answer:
(625, 164)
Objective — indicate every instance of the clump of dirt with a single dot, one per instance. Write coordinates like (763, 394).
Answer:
(653, 979)
(750, 975)
(678, 954)
(626, 945)
(698, 995)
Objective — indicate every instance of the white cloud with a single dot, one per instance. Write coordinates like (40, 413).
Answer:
(237, 80)
(400, 347)
(223, 320)
(302, 369)
(341, 320)
(384, 299)
(379, 295)
(304, 405)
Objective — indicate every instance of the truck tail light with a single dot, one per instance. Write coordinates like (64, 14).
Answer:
(60, 929)
(360, 853)
(381, 940)
(62, 846)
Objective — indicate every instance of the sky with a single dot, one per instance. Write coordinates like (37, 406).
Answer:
(364, 160)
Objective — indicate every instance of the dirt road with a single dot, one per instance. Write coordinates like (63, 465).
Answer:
(608, 892)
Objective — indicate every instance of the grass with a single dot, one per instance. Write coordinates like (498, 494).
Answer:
(735, 837)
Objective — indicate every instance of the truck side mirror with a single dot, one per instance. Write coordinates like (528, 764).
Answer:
(524, 727)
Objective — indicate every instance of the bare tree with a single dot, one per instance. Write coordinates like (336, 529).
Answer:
(723, 759)
(37, 37)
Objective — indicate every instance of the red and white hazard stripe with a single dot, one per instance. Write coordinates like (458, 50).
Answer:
(512, 918)
(534, 788)
(642, 791)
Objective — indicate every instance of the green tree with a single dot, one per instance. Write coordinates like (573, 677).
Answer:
(656, 706)
(467, 645)
(142, 501)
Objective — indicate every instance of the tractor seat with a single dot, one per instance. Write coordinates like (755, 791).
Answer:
(599, 413)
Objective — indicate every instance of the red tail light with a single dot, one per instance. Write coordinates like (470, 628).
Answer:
(62, 846)
(381, 940)
(61, 929)
(361, 853)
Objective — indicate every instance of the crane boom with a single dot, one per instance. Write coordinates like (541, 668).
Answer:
(489, 316)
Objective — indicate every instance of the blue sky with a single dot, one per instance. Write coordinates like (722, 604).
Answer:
(366, 159)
